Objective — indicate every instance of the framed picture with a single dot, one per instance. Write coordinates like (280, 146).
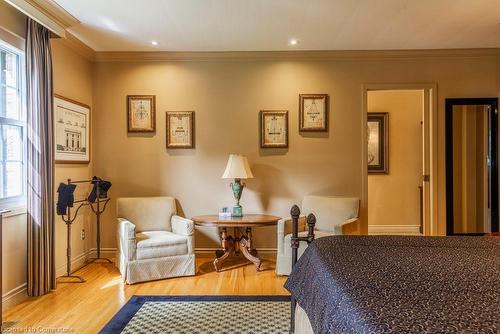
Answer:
(71, 131)
(141, 113)
(180, 129)
(274, 128)
(378, 143)
(313, 112)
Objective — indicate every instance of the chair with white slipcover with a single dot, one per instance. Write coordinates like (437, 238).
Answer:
(331, 214)
(153, 241)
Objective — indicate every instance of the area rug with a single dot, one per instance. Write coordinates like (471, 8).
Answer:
(202, 315)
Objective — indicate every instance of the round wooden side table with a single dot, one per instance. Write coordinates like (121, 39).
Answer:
(242, 240)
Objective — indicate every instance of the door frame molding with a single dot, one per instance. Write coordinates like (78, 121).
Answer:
(430, 141)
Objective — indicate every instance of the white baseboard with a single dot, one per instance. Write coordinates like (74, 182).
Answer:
(76, 263)
(394, 229)
(80, 260)
(211, 251)
(15, 296)
(107, 252)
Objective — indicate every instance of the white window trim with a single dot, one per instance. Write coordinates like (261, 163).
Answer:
(17, 204)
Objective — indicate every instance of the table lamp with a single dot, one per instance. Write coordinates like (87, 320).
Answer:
(237, 168)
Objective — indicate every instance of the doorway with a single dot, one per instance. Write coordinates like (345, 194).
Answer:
(471, 166)
(399, 152)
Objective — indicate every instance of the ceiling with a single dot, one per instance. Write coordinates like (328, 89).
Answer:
(269, 25)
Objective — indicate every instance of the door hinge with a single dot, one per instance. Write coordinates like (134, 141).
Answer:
(426, 177)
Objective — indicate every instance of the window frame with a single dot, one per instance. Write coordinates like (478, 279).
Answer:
(19, 201)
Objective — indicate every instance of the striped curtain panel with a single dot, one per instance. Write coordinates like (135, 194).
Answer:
(40, 161)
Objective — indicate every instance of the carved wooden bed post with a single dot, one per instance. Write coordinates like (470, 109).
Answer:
(295, 243)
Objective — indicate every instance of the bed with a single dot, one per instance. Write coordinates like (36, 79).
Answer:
(396, 284)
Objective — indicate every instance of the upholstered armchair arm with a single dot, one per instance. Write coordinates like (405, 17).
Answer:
(284, 228)
(348, 221)
(184, 226)
(126, 238)
(337, 230)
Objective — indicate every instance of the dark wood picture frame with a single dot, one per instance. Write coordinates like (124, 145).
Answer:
(191, 115)
(326, 108)
(262, 115)
(89, 144)
(152, 98)
(382, 119)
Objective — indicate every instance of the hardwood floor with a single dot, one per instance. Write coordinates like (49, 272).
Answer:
(87, 307)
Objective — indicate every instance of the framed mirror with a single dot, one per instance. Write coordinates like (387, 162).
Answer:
(471, 166)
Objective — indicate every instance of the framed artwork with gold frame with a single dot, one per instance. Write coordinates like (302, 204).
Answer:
(313, 112)
(180, 129)
(274, 128)
(141, 115)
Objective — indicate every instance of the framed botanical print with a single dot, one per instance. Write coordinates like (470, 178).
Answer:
(313, 112)
(274, 128)
(180, 129)
(71, 131)
(141, 113)
(378, 143)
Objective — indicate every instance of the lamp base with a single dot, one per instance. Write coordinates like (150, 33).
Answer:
(237, 211)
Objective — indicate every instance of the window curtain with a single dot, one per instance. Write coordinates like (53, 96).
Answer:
(40, 161)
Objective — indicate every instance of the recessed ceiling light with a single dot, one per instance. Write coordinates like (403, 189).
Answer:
(294, 41)
(154, 42)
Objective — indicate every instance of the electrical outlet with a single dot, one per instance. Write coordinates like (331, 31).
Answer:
(83, 235)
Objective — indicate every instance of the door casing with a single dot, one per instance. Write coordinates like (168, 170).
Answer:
(429, 177)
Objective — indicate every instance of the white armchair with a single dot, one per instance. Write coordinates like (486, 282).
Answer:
(331, 214)
(153, 242)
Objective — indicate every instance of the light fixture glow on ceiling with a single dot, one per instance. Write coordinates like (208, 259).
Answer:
(154, 42)
(294, 41)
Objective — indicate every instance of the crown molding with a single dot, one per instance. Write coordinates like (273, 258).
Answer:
(57, 20)
(125, 56)
(48, 13)
(12, 38)
(75, 44)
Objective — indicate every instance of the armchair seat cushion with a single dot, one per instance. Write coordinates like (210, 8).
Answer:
(155, 244)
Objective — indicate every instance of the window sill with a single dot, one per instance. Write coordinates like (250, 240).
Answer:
(15, 211)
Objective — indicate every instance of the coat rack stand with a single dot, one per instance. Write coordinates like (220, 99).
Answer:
(68, 218)
(98, 211)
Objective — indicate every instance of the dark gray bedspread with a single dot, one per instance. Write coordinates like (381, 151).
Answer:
(400, 284)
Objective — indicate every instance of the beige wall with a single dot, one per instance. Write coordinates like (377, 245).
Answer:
(73, 80)
(227, 96)
(394, 198)
(14, 255)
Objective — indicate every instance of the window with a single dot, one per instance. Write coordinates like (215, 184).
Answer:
(12, 128)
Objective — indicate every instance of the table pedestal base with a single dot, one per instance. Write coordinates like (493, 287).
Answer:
(232, 245)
